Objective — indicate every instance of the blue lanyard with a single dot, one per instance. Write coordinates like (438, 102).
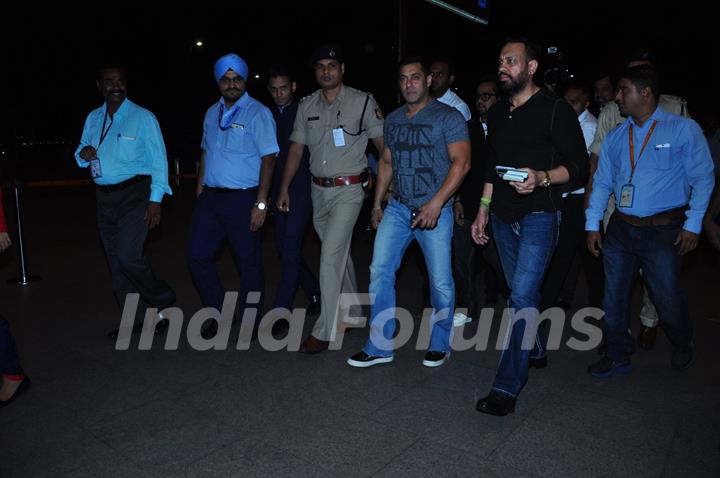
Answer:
(228, 123)
(104, 132)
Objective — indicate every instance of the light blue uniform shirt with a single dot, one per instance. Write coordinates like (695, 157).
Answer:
(675, 169)
(233, 157)
(133, 145)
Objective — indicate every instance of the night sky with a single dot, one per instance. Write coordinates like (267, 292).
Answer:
(52, 52)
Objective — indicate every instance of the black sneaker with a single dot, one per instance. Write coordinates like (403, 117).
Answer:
(606, 367)
(497, 404)
(435, 359)
(363, 360)
(682, 358)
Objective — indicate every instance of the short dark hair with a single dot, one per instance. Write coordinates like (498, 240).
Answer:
(110, 66)
(577, 84)
(610, 75)
(643, 76)
(489, 79)
(409, 60)
(532, 49)
(642, 54)
(276, 70)
(447, 61)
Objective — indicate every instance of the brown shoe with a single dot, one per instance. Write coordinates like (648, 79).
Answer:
(313, 346)
(646, 339)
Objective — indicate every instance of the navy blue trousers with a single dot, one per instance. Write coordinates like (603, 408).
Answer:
(290, 231)
(217, 215)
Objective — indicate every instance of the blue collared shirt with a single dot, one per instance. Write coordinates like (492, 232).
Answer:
(133, 145)
(233, 157)
(674, 170)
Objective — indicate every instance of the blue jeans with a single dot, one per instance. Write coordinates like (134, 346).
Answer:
(393, 237)
(626, 249)
(525, 249)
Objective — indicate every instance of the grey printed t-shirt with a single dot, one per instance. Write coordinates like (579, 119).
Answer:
(418, 145)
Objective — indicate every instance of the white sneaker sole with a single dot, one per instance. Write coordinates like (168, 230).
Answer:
(369, 363)
(436, 363)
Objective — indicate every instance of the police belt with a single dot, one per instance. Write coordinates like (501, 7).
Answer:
(123, 184)
(337, 181)
(665, 218)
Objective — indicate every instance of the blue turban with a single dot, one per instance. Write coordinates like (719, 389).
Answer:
(230, 62)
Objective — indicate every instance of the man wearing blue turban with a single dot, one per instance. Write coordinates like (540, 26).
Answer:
(236, 166)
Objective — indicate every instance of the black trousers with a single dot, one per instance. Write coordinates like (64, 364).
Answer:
(571, 244)
(121, 220)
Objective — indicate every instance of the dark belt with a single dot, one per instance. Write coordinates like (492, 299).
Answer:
(337, 181)
(665, 218)
(226, 190)
(121, 185)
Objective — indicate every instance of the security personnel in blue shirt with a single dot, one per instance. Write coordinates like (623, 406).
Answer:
(123, 147)
(291, 226)
(236, 168)
(658, 165)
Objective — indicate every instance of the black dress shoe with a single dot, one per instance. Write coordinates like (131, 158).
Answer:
(540, 362)
(682, 358)
(24, 385)
(279, 328)
(497, 404)
(314, 305)
(161, 327)
(210, 328)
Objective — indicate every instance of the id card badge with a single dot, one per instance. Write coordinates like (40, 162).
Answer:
(95, 168)
(627, 194)
(338, 137)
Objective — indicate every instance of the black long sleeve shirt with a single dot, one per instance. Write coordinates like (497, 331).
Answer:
(541, 134)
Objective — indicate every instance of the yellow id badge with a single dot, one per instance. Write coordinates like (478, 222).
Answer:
(627, 194)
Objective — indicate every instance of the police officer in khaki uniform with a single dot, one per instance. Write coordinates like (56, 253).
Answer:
(335, 124)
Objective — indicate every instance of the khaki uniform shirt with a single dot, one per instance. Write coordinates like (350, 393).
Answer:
(314, 124)
(610, 117)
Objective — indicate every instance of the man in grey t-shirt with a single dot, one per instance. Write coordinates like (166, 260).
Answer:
(426, 154)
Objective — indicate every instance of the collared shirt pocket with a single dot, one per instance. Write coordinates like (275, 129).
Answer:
(664, 153)
(235, 137)
(128, 146)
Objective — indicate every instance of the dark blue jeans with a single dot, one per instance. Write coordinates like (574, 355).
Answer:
(9, 361)
(626, 249)
(525, 249)
(217, 215)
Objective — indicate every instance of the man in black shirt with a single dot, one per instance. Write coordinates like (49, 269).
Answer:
(534, 131)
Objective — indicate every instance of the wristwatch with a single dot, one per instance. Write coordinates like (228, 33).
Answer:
(545, 183)
(261, 205)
